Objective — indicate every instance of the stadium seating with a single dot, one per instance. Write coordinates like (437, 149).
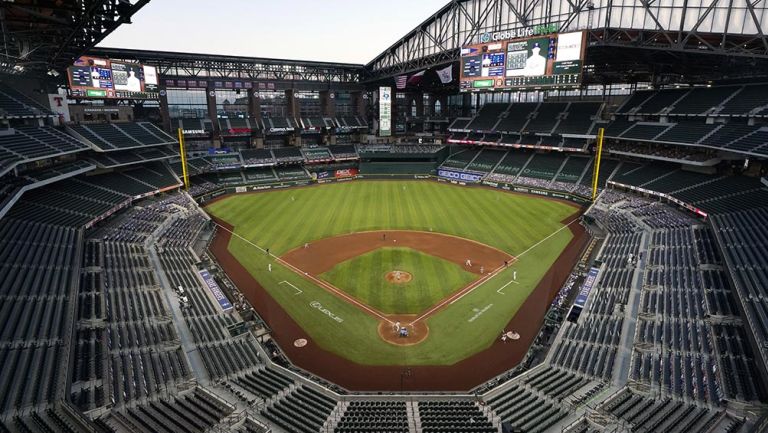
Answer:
(301, 410)
(487, 117)
(257, 157)
(742, 237)
(453, 416)
(222, 355)
(647, 414)
(26, 144)
(343, 151)
(573, 169)
(316, 154)
(486, 160)
(37, 308)
(687, 132)
(278, 125)
(374, 416)
(701, 100)
(461, 159)
(547, 116)
(285, 155)
(750, 99)
(579, 118)
(544, 166)
(526, 409)
(193, 411)
(117, 136)
(291, 173)
(15, 105)
(517, 117)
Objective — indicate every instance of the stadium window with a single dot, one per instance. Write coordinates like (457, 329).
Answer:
(231, 104)
(273, 103)
(187, 103)
(344, 104)
(309, 103)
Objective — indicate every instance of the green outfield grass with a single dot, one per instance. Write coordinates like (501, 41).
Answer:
(285, 219)
(364, 277)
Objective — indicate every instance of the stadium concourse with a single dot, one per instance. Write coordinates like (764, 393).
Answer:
(640, 130)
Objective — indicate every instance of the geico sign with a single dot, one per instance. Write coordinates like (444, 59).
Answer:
(459, 176)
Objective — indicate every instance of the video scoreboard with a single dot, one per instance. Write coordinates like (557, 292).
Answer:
(91, 77)
(553, 60)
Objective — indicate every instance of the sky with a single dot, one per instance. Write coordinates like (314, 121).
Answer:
(346, 31)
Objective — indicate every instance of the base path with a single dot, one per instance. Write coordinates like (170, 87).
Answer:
(322, 255)
(462, 376)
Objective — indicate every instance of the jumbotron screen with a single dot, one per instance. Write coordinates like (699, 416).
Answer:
(537, 61)
(91, 77)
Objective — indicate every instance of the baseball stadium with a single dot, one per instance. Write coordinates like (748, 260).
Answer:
(544, 216)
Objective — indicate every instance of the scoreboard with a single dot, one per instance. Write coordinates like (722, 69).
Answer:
(91, 77)
(554, 60)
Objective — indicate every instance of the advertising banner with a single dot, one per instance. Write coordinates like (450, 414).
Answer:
(459, 175)
(347, 172)
(586, 288)
(385, 111)
(215, 290)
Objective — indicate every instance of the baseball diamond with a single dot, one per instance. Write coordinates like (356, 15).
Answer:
(336, 241)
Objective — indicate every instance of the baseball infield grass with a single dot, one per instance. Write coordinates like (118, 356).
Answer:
(521, 225)
(364, 277)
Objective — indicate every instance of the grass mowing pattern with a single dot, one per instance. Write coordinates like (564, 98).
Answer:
(285, 219)
(364, 277)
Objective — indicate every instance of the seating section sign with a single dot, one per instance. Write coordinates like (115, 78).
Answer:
(586, 288)
(215, 290)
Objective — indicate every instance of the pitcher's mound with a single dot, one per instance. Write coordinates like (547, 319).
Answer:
(398, 277)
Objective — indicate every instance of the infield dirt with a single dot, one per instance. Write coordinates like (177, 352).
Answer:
(461, 376)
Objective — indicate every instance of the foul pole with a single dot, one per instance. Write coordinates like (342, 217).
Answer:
(598, 158)
(183, 154)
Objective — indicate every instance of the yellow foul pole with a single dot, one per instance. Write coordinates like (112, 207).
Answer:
(183, 154)
(598, 158)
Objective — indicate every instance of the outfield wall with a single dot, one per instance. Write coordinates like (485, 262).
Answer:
(561, 195)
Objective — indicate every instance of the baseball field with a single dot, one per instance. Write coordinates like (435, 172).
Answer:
(348, 261)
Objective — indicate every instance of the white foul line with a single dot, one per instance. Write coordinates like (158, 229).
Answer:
(298, 290)
(505, 286)
(306, 275)
(483, 280)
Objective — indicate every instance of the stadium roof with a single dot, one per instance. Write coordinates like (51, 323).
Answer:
(42, 35)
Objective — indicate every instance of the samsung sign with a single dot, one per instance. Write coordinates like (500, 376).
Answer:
(519, 33)
(459, 175)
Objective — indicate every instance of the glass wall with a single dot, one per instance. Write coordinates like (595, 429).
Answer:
(344, 104)
(231, 104)
(187, 104)
(309, 103)
(273, 103)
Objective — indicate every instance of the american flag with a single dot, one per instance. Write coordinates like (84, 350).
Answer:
(401, 81)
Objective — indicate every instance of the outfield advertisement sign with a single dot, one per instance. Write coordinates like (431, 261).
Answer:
(215, 290)
(459, 175)
(347, 172)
